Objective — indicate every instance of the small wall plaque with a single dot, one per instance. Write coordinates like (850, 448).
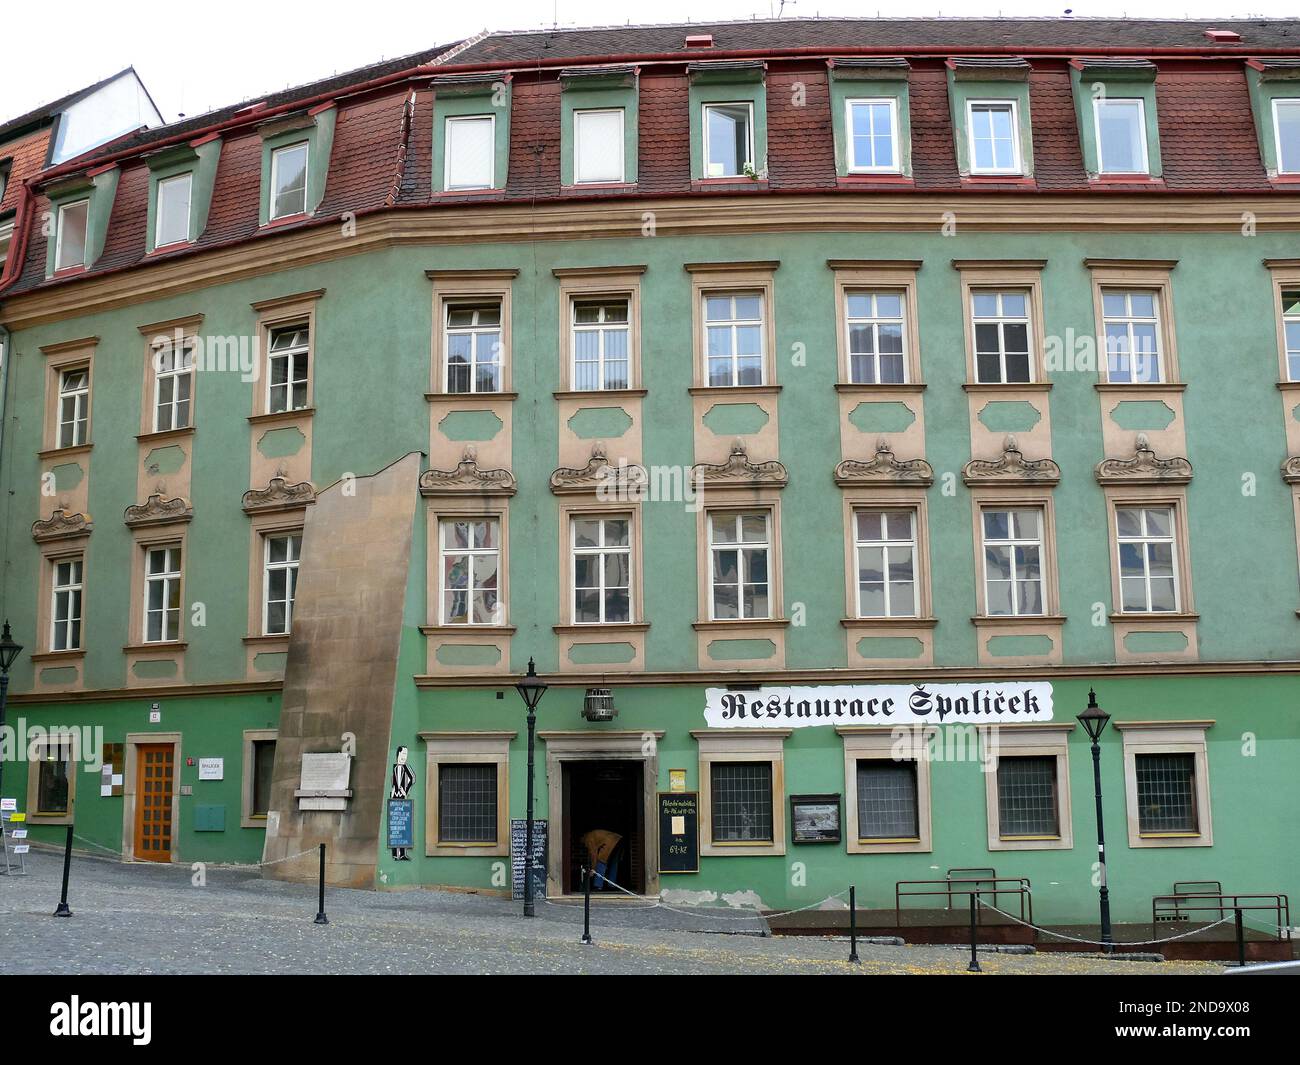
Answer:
(324, 781)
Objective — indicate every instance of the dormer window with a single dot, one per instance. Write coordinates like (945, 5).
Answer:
(728, 139)
(1286, 130)
(173, 211)
(994, 131)
(289, 180)
(1121, 136)
(70, 242)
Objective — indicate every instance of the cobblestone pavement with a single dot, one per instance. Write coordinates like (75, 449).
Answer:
(143, 918)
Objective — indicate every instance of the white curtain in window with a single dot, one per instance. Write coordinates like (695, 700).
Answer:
(599, 136)
(469, 153)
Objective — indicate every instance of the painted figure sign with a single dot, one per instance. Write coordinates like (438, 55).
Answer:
(399, 792)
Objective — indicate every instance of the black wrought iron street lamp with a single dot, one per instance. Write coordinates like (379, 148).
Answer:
(9, 652)
(531, 688)
(1094, 721)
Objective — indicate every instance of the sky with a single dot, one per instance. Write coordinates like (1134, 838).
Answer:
(197, 57)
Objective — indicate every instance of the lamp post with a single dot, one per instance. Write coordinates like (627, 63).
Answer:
(1094, 720)
(531, 688)
(9, 651)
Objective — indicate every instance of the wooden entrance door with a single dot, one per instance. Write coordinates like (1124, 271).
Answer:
(156, 765)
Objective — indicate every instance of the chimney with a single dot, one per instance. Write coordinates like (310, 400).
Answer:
(1224, 36)
(700, 40)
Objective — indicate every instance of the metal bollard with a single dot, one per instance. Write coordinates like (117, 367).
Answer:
(974, 966)
(586, 905)
(62, 910)
(320, 913)
(853, 924)
(1241, 937)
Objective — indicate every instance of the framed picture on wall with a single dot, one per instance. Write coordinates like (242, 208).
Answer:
(815, 818)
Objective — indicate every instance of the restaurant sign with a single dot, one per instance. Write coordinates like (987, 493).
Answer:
(879, 704)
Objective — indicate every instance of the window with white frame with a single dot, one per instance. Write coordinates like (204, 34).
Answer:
(473, 347)
(728, 139)
(70, 242)
(1013, 561)
(469, 152)
(289, 180)
(733, 328)
(740, 551)
(1286, 132)
(1028, 804)
(598, 146)
(876, 337)
(1291, 332)
(1148, 559)
(471, 565)
(601, 332)
(172, 211)
(1132, 323)
(280, 582)
(888, 800)
(602, 569)
(286, 381)
(873, 135)
(65, 629)
(1121, 131)
(1000, 320)
(740, 801)
(74, 406)
(162, 593)
(173, 370)
(885, 544)
(994, 130)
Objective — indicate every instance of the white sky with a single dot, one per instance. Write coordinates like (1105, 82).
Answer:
(196, 57)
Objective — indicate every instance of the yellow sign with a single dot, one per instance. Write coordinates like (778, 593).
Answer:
(677, 780)
(17, 817)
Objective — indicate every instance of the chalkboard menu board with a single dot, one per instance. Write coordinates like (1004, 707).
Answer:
(679, 832)
(518, 833)
(399, 823)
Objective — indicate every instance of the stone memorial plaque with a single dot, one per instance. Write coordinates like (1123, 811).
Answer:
(323, 784)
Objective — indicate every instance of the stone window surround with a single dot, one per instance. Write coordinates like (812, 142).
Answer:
(887, 498)
(451, 509)
(741, 745)
(68, 355)
(1168, 496)
(1027, 740)
(188, 326)
(175, 534)
(884, 275)
(1167, 737)
(248, 819)
(296, 309)
(1018, 497)
(475, 747)
(34, 816)
(721, 500)
(589, 283)
(1285, 277)
(730, 277)
(261, 526)
(1005, 275)
(1135, 275)
(451, 287)
(594, 508)
(865, 742)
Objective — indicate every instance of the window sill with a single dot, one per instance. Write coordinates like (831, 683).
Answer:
(49, 819)
(599, 186)
(866, 180)
(159, 250)
(1131, 386)
(73, 655)
(64, 452)
(159, 435)
(1018, 180)
(1101, 181)
(162, 645)
(601, 626)
(469, 397)
(285, 220)
(890, 623)
(1288, 386)
(994, 621)
(601, 393)
(734, 390)
(268, 638)
(1010, 386)
(738, 181)
(466, 630)
(740, 624)
(471, 194)
(282, 416)
(859, 387)
(1158, 617)
(68, 271)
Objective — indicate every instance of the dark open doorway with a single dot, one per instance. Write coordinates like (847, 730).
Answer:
(605, 795)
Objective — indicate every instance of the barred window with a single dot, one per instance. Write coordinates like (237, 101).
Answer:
(467, 802)
(1027, 805)
(1166, 794)
(887, 800)
(742, 802)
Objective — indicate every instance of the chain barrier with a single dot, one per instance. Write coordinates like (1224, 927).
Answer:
(222, 865)
(1098, 942)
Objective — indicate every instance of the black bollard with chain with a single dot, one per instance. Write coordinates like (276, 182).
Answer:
(974, 966)
(586, 905)
(320, 912)
(853, 924)
(62, 910)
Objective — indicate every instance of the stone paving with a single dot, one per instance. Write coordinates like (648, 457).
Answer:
(144, 918)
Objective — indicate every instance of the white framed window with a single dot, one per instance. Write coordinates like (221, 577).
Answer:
(598, 146)
(872, 127)
(162, 593)
(172, 210)
(740, 552)
(289, 180)
(1013, 561)
(74, 406)
(1132, 323)
(876, 334)
(1121, 131)
(286, 379)
(65, 630)
(471, 564)
(469, 152)
(173, 386)
(602, 569)
(994, 136)
(472, 342)
(601, 331)
(728, 139)
(1286, 134)
(280, 582)
(1000, 321)
(1148, 560)
(885, 548)
(1291, 332)
(733, 335)
(70, 242)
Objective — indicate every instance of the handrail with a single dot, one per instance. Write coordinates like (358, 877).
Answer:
(1180, 907)
(979, 887)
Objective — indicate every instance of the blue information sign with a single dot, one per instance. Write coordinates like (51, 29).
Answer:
(399, 823)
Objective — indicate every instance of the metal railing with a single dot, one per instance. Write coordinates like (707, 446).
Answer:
(977, 887)
(1185, 907)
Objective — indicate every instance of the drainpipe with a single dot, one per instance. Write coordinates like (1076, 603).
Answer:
(4, 387)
